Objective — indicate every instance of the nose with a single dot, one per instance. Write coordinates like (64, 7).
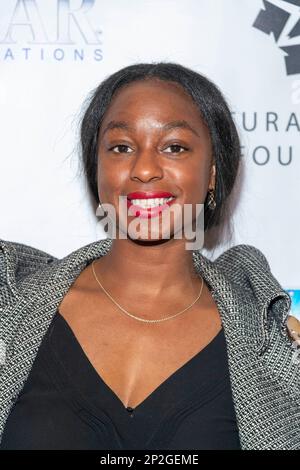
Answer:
(146, 166)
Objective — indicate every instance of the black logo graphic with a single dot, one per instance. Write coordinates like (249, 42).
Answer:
(273, 20)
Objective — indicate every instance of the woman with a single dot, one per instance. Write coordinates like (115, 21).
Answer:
(139, 342)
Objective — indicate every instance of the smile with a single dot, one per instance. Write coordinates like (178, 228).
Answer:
(150, 207)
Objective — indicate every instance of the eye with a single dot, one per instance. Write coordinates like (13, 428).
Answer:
(176, 148)
(122, 148)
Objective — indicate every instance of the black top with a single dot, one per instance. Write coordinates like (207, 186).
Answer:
(65, 404)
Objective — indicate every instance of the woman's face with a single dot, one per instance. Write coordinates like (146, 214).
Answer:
(153, 139)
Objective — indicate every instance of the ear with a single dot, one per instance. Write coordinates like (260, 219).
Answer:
(212, 181)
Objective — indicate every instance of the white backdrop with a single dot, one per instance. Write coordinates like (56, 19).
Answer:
(53, 52)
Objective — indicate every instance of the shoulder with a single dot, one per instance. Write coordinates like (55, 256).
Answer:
(246, 266)
(248, 269)
(246, 255)
(249, 275)
(19, 259)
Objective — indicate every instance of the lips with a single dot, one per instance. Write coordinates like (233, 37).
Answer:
(147, 212)
(149, 195)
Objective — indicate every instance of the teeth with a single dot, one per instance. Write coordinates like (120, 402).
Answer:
(147, 203)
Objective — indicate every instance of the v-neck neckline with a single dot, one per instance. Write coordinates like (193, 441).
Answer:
(178, 374)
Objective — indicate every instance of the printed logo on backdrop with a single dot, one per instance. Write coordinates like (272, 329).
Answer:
(275, 19)
(281, 18)
(63, 31)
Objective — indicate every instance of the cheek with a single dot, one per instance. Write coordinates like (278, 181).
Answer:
(199, 185)
(193, 181)
(105, 182)
(110, 180)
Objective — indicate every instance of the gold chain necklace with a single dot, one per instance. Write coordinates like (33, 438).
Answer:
(143, 319)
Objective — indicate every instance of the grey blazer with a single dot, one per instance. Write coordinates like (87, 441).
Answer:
(265, 377)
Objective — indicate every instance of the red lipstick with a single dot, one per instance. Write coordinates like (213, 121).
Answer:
(148, 195)
(148, 212)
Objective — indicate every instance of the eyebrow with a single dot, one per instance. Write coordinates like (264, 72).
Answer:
(179, 124)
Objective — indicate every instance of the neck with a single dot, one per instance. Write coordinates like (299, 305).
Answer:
(150, 271)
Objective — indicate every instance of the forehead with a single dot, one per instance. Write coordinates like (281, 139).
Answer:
(160, 99)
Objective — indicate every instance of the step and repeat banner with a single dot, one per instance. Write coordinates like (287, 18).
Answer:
(54, 52)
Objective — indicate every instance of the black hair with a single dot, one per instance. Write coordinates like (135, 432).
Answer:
(213, 109)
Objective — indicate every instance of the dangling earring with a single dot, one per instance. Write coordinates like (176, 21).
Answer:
(99, 210)
(211, 200)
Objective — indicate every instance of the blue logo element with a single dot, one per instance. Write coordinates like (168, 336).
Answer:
(295, 296)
